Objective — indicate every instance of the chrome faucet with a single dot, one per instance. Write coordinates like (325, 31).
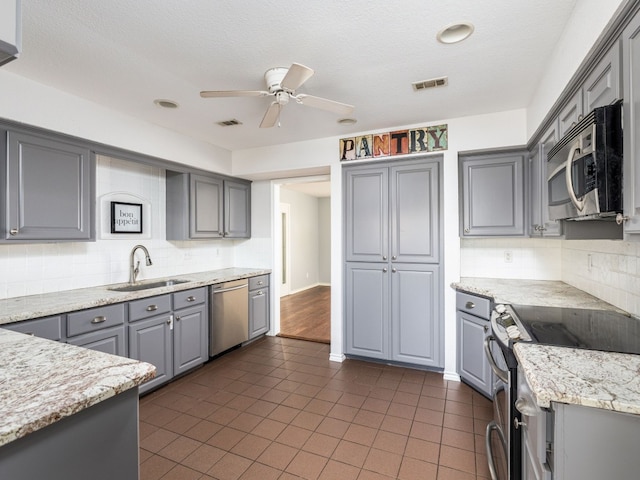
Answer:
(134, 270)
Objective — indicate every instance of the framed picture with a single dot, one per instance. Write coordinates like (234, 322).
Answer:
(126, 217)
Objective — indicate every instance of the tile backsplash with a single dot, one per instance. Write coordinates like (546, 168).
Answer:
(607, 269)
(48, 267)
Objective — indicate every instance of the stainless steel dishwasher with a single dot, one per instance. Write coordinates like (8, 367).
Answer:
(229, 315)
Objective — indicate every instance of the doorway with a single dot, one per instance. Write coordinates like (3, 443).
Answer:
(305, 266)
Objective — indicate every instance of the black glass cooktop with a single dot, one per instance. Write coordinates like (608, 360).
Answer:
(572, 327)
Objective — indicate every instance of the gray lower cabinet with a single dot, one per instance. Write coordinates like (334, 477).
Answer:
(169, 331)
(631, 115)
(100, 328)
(259, 323)
(207, 207)
(47, 327)
(473, 315)
(392, 313)
(50, 189)
(492, 194)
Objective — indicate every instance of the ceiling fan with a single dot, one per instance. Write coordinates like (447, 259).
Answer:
(282, 83)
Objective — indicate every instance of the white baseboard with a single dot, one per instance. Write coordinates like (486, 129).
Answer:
(291, 292)
(336, 357)
(451, 376)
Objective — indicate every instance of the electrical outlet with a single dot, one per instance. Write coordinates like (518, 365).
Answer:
(508, 256)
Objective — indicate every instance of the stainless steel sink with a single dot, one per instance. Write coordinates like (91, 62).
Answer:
(145, 286)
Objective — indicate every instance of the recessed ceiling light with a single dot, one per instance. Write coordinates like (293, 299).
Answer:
(347, 121)
(455, 32)
(165, 103)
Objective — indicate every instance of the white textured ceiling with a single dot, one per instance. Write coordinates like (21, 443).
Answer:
(124, 54)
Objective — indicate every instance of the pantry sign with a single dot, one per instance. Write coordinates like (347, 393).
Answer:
(399, 142)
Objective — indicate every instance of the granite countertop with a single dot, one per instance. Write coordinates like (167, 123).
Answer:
(581, 377)
(559, 374)
(42, 381)
(55, 303)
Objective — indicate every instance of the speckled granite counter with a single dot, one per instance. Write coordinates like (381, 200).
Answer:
(35, 306)
(543, 293)
(567, 375)
(581, 377)
(42, 381)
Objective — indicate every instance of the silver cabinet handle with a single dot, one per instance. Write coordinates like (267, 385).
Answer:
(470, 305)
(395, 257)
(393, 270)
(99, 319)
(384, 270)
(486, 328)
(13, 231)
(260, 293)
(177, 318)
(191, 298)
(260, 282)
(384, 257)
(169, 321)
(152, 308)
(466, 230)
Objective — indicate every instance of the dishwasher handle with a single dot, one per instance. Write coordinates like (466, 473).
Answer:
(230, 289)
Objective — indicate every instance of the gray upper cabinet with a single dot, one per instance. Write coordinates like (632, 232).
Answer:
(207, 207)
(603, 85)
(367, 214)
(631, 115)
(540, 224)
(237, 209)
(571, 114)
(49, 190)
(392, 213)
(492, 194)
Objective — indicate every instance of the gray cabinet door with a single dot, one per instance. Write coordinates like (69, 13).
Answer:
(473, 366)
(493, 195)
(631, 115)
(367, 214)
(190, 338)
(540, 224)
(206, 209)
(237, 209)
(415, 329)
(415, 213)
(50, 190)
(108, 340)
(367, 310)
(258, 312)
(570, 114)
(150, 341)
(602, 86)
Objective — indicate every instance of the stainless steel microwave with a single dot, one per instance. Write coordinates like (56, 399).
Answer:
(586, 168)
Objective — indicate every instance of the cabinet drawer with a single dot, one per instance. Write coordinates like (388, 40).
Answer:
(189, 298)
(478, 306)
(94, 319)
(49, 327)
(260, 281)
(149, 307)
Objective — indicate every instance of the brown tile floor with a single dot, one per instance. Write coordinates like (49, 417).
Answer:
(279, 409)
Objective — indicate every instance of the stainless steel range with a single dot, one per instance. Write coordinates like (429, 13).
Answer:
(605, 330)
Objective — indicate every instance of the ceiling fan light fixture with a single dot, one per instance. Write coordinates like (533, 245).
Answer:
(164, 103)
(347, 121)
(456, 32)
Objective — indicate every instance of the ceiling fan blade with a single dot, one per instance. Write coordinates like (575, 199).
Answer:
(296, 76)
(271, 115)
(233, 93)
(324, 104)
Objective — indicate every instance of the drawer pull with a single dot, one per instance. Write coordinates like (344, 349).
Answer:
(152, 308)
(99, 319)
(177, 318)
(470, 305)
(260, 282)
(260, 293)
(14, 231)
(191, 298)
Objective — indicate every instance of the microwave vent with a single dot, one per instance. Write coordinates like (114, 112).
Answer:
(431, 83)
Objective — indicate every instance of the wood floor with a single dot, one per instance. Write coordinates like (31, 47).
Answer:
(307, 315)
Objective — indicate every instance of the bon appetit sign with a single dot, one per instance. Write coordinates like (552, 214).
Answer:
(399, 142)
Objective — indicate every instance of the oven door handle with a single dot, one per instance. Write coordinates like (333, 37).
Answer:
(487, 440)
(501, 374)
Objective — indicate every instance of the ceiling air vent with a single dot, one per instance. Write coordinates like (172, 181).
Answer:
(434, 82)
(230, 123)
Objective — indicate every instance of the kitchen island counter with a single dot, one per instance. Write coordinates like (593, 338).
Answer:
(36, 306)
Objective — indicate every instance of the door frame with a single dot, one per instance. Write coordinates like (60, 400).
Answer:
(285, 249)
